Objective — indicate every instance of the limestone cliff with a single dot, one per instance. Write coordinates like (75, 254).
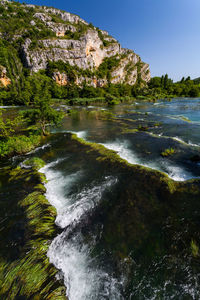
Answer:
(53, 35)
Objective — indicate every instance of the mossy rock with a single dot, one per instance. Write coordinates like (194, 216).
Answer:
(34, 162)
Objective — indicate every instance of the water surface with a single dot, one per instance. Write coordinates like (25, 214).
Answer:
(78, 185)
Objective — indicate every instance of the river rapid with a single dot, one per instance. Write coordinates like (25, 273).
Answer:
(87, 193)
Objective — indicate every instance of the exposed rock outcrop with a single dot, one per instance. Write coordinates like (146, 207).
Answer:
(86, 53)
(60, 78)
(4, 80)
(55, 35)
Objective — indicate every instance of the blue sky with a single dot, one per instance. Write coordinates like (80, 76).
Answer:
(165, 33)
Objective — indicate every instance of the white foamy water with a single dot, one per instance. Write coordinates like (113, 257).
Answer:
(9, 106)
(122, 149)
(83, 278)
(39, 148)
(194, 145)
(184, 142)
(175, 172)
(71, 207)
(80, 134)
(57, 187)
(178, 139)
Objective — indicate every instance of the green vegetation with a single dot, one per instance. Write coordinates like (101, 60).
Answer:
(102, 38)
(42, 115)
(194, 248)
(18, 145)
(15, 138)
(164, 87)
(9, 58)
(31, 276)
(34, 85)
(81, 29)
(35, 163)
(168, 152)
(15, 24)
(104, 70)
(112, 158)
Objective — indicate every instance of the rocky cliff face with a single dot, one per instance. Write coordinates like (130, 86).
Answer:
(73, 41)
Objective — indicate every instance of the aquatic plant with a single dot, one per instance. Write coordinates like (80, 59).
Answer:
(157, 124)
(167, 152)
(31, 276)
(185, 119)
(194, 248)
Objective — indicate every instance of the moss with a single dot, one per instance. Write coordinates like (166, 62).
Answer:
(142, 128)
(35, 162)
(194, 248)
(158, 124)
(127, 130)
(40, 187)
(185, 119)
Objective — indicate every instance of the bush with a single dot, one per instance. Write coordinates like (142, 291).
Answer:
(18, 145)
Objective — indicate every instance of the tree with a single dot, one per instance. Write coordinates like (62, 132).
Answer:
(166, 81)
(194, 92)
(43, 115)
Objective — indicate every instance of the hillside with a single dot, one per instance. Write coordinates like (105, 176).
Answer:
(63, 47)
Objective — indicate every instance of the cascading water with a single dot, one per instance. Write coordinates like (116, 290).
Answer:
(84, 273)
(83, 276)
(79, 183)
(123, 150)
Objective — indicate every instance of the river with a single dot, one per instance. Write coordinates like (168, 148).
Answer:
(148, 256)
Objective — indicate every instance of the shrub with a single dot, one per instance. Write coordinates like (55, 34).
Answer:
(18, 145)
